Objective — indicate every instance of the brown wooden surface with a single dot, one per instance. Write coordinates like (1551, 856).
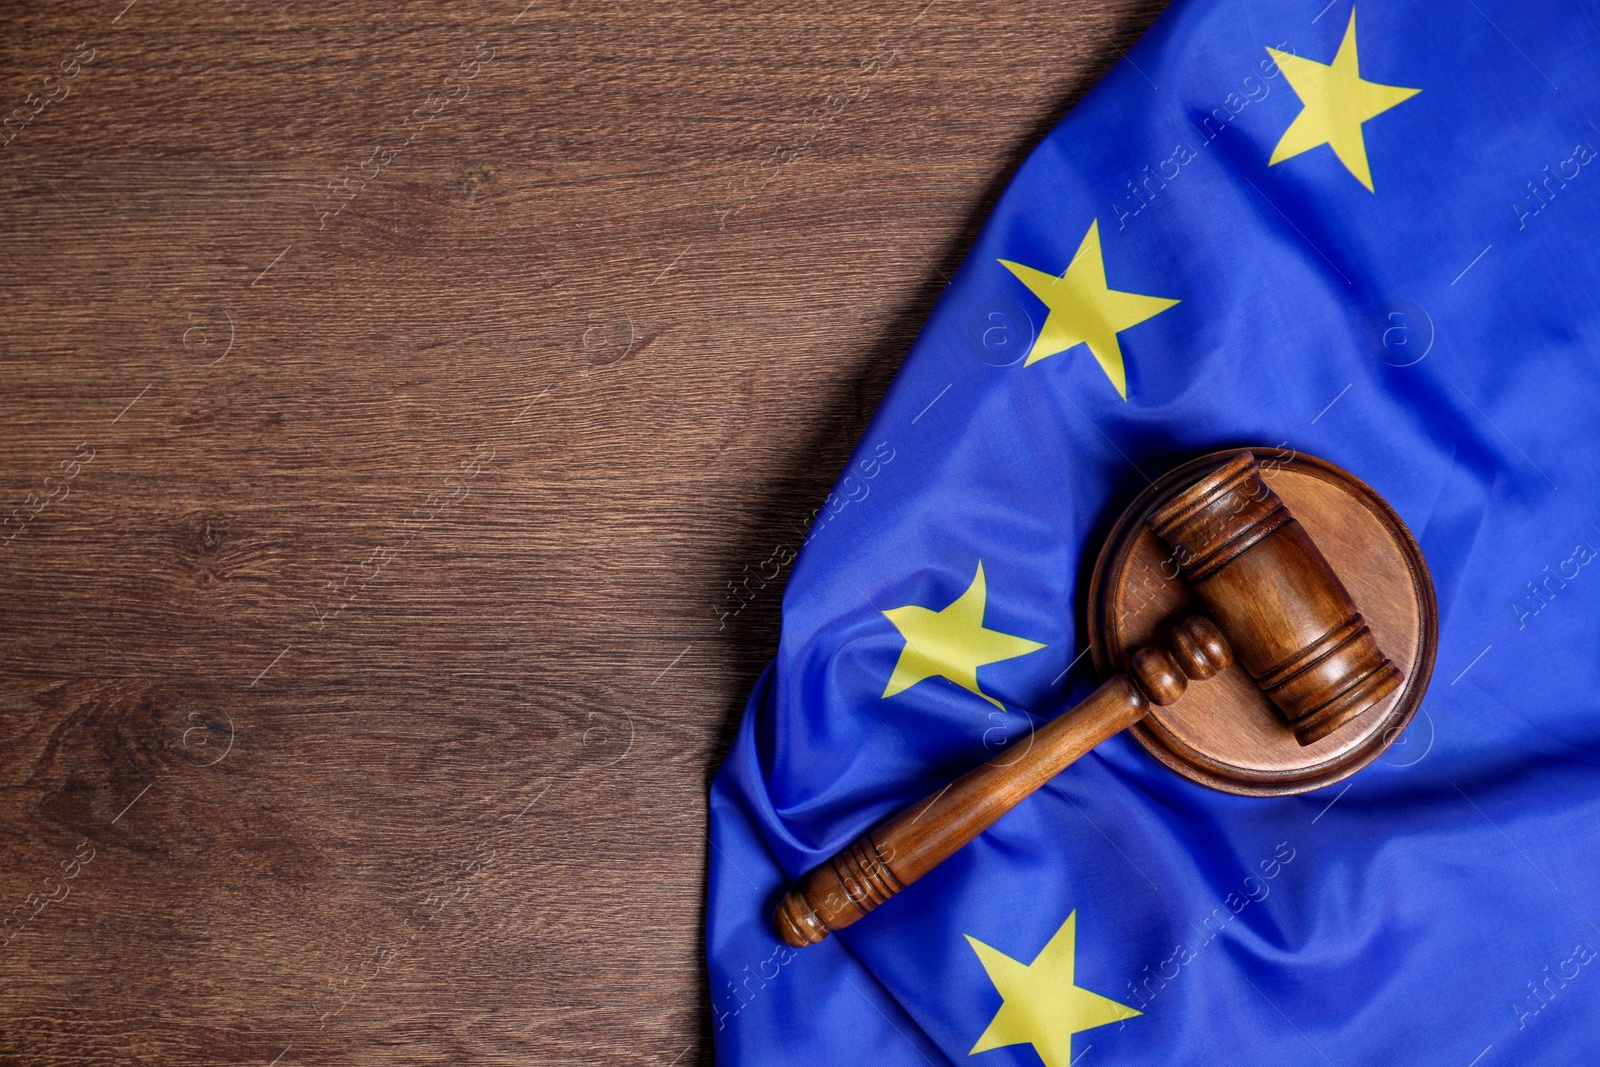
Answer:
(359, 695)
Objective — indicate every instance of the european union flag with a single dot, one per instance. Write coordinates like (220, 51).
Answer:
(1372, 233)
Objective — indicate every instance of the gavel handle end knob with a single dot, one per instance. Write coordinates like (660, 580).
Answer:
(797, 922)
(837, 893)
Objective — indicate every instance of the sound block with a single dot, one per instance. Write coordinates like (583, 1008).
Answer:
(1225, 733)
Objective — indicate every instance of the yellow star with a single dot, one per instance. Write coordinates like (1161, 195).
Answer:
(951, 643)
(1083, 310)
(1337, 101)
(1041, 1004)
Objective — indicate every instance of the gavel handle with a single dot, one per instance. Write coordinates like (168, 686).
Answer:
(907, 846)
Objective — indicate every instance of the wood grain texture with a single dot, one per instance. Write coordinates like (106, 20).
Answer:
(408, 413)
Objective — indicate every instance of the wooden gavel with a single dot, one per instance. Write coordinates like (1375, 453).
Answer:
(1263, 583)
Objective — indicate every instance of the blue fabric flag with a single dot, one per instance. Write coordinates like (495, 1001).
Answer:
(1372, 233)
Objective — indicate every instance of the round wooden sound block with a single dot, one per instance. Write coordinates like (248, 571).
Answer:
(1225, 733)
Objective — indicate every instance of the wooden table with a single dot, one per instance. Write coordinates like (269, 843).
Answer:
(407, 416)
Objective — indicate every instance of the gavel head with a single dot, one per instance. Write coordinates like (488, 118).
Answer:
(1291, 623)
